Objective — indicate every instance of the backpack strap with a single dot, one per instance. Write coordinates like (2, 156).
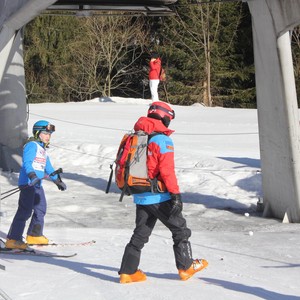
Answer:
(110, 178)
(125, 179)
(122, 195)
(152, 134)
(156, 185)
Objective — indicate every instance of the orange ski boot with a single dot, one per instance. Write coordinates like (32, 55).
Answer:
(14, 244)
(37, 240)
(197, 265)
(135, 277)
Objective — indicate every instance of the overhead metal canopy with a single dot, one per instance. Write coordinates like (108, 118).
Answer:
(98, 7)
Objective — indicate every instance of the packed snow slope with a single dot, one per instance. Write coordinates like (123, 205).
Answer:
(218, 168)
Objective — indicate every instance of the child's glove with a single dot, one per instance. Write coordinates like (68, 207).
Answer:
(176, 204)
(61, 185)
(34, 180)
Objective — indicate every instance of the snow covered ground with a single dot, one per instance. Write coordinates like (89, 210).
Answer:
(218, 168)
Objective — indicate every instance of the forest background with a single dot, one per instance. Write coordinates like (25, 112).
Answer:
(206, 51)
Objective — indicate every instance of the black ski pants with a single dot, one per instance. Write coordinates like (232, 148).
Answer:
(146, 217)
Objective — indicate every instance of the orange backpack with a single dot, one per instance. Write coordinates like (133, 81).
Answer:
(162, 75)
(131, 172)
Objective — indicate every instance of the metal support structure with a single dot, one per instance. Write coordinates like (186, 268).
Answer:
(277, 106)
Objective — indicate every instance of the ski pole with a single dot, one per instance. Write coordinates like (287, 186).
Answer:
(10, 191)
(17, 189)
(58, 171)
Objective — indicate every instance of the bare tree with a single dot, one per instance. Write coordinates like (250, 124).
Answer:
(105, 52)
(296, 49)
(199, 29)
(295, 39)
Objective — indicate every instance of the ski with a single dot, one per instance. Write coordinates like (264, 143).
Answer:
(88, 243)
(34, 252)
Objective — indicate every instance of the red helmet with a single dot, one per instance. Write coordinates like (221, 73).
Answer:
(161, 111)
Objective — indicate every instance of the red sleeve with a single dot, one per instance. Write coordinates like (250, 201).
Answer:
(154, 69)
(162, 164)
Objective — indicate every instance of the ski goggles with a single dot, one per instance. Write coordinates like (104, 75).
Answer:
(49, 128)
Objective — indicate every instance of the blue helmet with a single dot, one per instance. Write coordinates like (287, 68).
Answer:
(40, 126)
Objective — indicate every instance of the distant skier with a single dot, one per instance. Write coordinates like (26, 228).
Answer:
(154, 74)
(163, 206)
(35, 166)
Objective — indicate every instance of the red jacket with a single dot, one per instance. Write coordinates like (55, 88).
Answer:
(155, 66)
(160, 160)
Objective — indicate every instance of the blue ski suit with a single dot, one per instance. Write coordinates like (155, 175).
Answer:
(32, 197)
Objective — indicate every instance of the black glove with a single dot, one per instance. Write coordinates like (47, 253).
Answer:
(34, 180)
(176, 204)
(61, 186)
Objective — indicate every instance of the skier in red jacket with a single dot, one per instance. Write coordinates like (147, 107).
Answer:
(165, 206)
(154, 74)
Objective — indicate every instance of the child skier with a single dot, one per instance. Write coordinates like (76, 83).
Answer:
(35, 166)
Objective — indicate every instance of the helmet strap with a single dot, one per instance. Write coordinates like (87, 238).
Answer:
(36, 135)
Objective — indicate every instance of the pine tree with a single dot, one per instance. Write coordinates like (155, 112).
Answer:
(45, 53)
